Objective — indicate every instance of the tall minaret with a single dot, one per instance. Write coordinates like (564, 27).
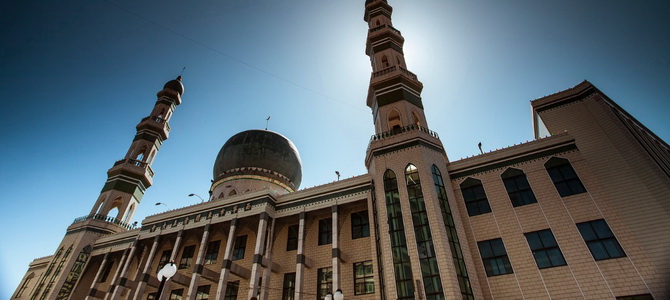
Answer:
(411, 211)
(126, 183)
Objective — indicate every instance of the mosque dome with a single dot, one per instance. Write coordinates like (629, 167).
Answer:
(175, 85)
(260, 153)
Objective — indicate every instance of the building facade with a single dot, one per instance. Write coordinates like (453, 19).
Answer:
(581, 212)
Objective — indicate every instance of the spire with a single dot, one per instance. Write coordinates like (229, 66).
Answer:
(392, 85)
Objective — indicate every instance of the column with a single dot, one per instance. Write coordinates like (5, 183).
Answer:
(139, 292)
(117, 273)
(300, 258)
(258, 255)
(120, 285)
(173, 256)
(336, 249)
(227, 263)
(197, 270)
(93, 291)
(268, 269)
(136, 276)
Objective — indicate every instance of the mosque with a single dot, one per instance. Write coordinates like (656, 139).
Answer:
(581, 213)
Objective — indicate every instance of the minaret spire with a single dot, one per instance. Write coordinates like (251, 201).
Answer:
(395, 92)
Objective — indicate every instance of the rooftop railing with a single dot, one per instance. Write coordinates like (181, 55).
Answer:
(104, 218)
(403, 130)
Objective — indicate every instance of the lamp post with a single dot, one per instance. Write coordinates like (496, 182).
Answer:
(338, 295)
(201, 200)
(163, 275)
(161, 203)
(329, 296)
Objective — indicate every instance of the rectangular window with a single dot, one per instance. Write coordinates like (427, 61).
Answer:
(231, 290)
(176, 294)
(475, 199)
(202, 293)
(151, 296)
(325, 231)
(324, 283)
(600, 240)
(292, 239)
(519, 190)
(106, 271)
(545, 249)
(165, 258)
(212, 252)
(364, 281)
(240, 246)
(288, 290)
(564, 177)
(360, 225)
(186, 257)
(494, 257)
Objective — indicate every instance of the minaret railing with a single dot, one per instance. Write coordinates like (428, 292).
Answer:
(403, 130)
(104, 218)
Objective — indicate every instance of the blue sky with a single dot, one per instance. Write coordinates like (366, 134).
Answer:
(77, 76)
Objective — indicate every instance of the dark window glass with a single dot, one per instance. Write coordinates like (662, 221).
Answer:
(494, 257)
(545, 249)
(564, 177)
(288, 290)
(151, 296)
(231, 290)
(23, 286)
(186, 257)
(360, 225)
(424, 240)
(240, 246)
(165, 258)
(212, 252)
(202, 293)
(401, 264)
(324, 283)
(636, 297)
(454, 243)
(325, 231)
(176, 294)
(106, 271)
(600, 240)
(292, 239)
(364, 281)
(518, 188)
(475, 197)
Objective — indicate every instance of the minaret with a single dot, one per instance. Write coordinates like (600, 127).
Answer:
(129, 178)
(126, 183)
(411, 207)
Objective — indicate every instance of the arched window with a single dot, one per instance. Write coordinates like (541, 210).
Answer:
(232, 193)
(378, 23)
(415, 118)
(475, 197)
(564, 177)
(140, 154)
(452, 235)
(385, 62)
(25, 285)
(517, 187)
(399, 60)
(394, 121)
(129, 213)
(401, 262)
(221, 196)
(424, 238)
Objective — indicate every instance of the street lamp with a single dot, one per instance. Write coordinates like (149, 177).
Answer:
(201, 200)
(338, 295)
(329, 296)
(161, 203)
(164, 274)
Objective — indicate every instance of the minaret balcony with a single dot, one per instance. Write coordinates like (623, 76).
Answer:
(383, 37)
(155, 124)
(100, 223)
(134, 168)
(402, 137)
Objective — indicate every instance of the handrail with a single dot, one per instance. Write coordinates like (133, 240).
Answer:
(393, 69)
(137, 163)
(402, 130)
(104, 218)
